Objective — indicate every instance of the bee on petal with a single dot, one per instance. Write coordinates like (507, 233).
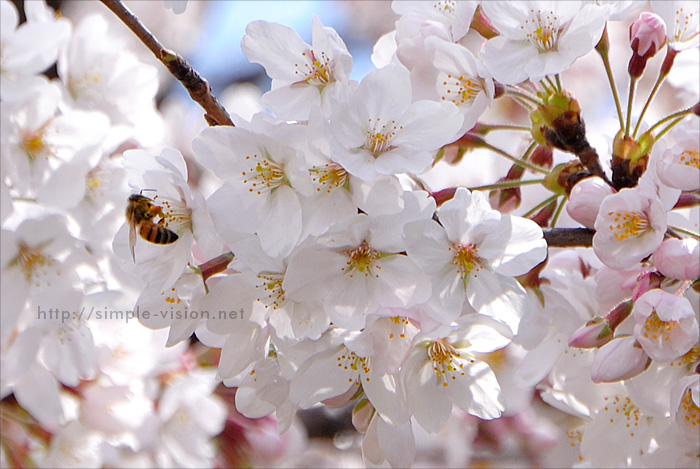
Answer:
(140, 213)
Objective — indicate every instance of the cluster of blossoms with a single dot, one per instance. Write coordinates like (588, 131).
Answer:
(331, 265)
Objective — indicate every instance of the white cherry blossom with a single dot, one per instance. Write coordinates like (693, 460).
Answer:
(303, 75)
(538, 38)
(377, 130)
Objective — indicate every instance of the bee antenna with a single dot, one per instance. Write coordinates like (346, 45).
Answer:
(141, 192)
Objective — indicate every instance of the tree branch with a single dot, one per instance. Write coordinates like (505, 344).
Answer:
(196, 86)
(568, 237)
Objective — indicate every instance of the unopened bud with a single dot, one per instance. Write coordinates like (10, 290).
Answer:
(678, 258)
(545, 214)
(647, 36)
(621, 358)
(585, 199)
(542, 156)
(594, 334)
(564, 177)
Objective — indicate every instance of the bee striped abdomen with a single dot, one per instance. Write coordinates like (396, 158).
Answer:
(157, 234)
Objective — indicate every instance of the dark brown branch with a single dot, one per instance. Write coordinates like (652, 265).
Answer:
(196, 86)
(569, 237)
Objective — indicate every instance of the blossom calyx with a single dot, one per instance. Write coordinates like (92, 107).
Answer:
(647, 36)
(564, 177)
(557, 123)
(630, 158)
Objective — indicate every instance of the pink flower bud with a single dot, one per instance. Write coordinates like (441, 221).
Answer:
(621, 358)
(647, 34)
(594, 334)
(678, 258)
(585, 199)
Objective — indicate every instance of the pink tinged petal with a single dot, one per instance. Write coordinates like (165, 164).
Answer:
(16, 290)
(403, 159)
(325, 375)
(65, 187)
(277, 48)
(288, 101)
(500, 297)
(678, 258)
(279, 224)
(621, 358)
(478, 333)
(22, 354)
(351, 299)
(525, 247)
(311, 273)
(386, 93)
(427, 245)
(539, 361)
(428, 125)
(387, 397)
(426, 398)
(504, 59)
(9, 19)
(37, 392)
(478, 391)
(584, 31)
(240, 350)
(401, 282)
(585, 200)
(396, 442)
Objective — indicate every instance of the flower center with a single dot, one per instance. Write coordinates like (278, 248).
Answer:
(379, 136)
(461, 90)
(271, 283)
(690, 158)
(542, 30)
(447, 361)
(315, 70)
(466, 259)
(691, 412)
(626, 224)
(655, 328)
(685, 26)
(34, 146)
(362, 260)
(328, 177)
(264, 175)
(173, 214)
(353, 362)
(445, 7)
(33, 263)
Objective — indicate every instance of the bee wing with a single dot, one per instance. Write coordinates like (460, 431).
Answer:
(132, 240)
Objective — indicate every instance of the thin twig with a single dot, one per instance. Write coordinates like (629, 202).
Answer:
(568, 237)
(196, 86)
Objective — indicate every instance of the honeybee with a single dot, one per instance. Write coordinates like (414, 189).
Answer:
(140, 213)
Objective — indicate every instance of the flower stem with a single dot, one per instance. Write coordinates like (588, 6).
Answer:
(668, 127)
(555, 218)
(196, 86)
(540, 205)
(517, 161)
(506, 185)
(526, 97)
(630, 101)
(603, 52)
(686, 232)
(681, 113)
(656, 87)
